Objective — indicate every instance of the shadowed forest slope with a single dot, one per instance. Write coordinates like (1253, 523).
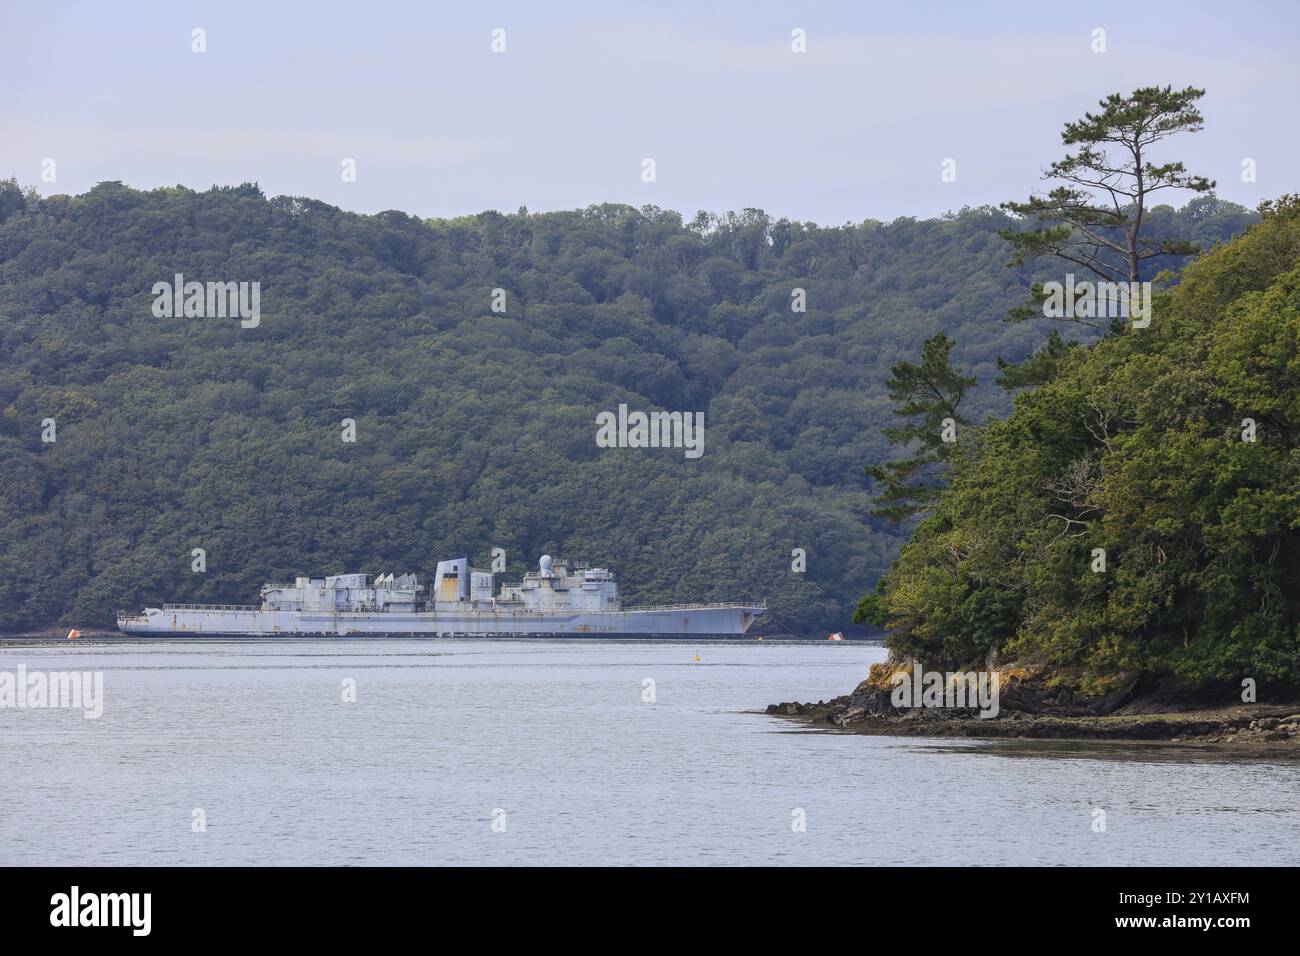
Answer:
(474, 429)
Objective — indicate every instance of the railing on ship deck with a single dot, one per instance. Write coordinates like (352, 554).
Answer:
(698, 607)
(729, 605)
(211, 607)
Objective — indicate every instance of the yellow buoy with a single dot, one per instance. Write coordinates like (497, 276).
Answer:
(697, 658)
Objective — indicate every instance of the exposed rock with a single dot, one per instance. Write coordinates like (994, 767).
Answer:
(1035, 702)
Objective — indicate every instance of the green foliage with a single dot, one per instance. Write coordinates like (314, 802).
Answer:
(1038, 369)
(1094, 219)
(12, 198)
(474, 429)
(1135, 446)
(930, 394)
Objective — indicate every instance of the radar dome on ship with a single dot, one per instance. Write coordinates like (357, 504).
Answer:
(545, 563)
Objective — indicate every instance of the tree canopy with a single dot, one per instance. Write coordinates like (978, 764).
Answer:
(1140, 511)
(475, 429)
(1095, 218)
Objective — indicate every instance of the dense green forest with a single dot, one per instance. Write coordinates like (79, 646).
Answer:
(1141, 510)
(475, 429)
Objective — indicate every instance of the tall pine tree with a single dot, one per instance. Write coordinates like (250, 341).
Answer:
(1094, 217)
(929, 394)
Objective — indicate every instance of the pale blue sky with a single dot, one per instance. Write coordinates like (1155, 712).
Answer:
(440, 126)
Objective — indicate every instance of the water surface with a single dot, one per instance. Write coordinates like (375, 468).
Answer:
(444, 734)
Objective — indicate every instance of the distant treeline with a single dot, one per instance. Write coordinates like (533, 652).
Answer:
(474, 428)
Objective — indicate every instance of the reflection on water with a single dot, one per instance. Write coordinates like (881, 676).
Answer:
(595, 751)
(1138, 751)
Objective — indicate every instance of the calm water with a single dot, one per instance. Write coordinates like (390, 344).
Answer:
(444, 733)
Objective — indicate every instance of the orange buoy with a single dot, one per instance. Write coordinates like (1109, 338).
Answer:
(73, 634)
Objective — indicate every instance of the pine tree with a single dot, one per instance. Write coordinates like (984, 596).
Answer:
(929, 394)
(1094, 218)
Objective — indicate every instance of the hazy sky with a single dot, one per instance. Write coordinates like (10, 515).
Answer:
(439, 125)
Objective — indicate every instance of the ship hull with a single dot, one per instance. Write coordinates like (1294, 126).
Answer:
(694, 622)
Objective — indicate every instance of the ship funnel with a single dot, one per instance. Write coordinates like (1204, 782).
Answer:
(452, 582)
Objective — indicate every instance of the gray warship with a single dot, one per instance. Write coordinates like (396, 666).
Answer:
(559, 599)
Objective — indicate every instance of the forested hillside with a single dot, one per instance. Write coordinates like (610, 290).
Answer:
(474, 429)
(1140, 512)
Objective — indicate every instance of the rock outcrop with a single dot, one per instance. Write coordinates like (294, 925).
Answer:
(1037, 702)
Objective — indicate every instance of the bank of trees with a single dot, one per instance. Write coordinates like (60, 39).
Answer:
(475, 429)
(1139, 510)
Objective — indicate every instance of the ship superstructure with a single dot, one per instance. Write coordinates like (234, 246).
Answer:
(558, 599)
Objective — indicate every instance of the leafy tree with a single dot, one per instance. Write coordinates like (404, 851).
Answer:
(1139, 511)
(12, 198)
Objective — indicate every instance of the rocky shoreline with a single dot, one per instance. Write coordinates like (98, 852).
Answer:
(1036, 703)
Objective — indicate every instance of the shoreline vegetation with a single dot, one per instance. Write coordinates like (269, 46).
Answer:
(1129, 531)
